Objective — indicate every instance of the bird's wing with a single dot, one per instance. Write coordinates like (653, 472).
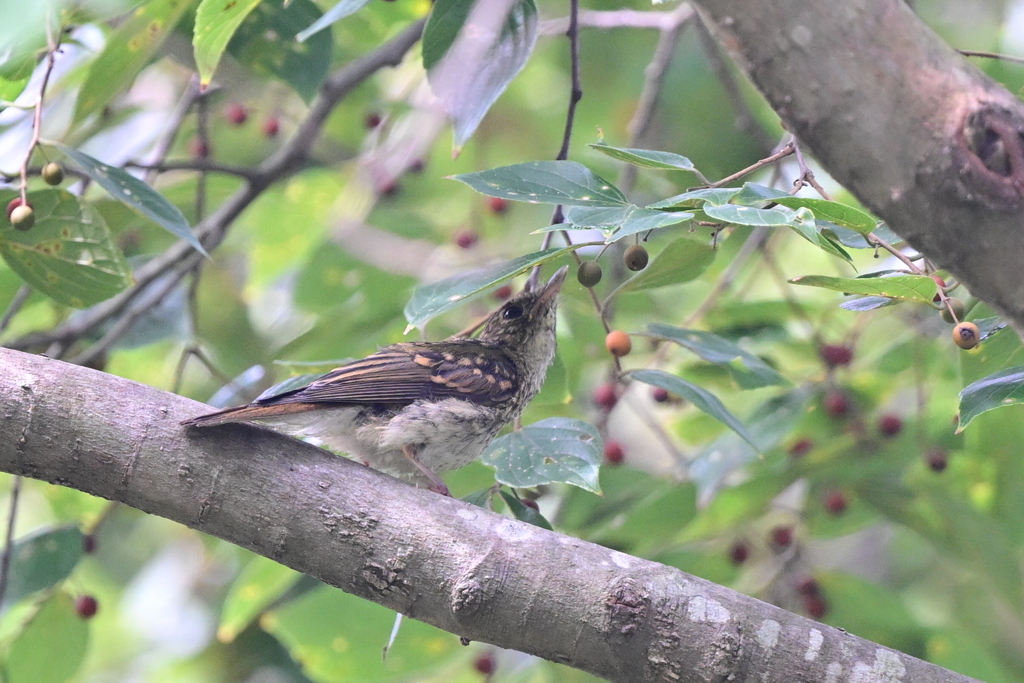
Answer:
(408, 372)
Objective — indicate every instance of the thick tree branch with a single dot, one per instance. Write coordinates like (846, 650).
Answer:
(919, 135)
(466, 570)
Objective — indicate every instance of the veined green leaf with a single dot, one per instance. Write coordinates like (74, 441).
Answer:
(546, 182)
(908, 287)
(216, 23)
(834, 212)
(69, 254)
(554, 450)
(721, 351)
(694, 199)
(41, 560)
(647, 158)
(1003, 388)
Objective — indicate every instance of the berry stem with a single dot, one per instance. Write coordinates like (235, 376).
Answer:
(37, 117)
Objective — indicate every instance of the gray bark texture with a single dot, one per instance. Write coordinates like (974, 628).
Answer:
(923, 138)
(461, 568)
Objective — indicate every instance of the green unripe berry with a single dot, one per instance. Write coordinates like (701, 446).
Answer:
(958, 310)
(636, 257)
(589, 273)
(52, 173)
(23, 217)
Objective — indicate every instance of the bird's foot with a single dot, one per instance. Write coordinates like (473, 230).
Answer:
(436, 485)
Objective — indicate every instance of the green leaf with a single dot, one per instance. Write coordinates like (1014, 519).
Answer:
(558, 449)
(721, 351)
(647, 158)
(69, 254)
(129, 48)
(336, 13)
(868, 303)
(546, 182)
(216, 23)
(524, 513)
(701, 398)
(431, 300)
(260, 583)
(32, 657)
(136, 194)
(41, 560)
(680, 261)
(714, 196)
(748, 215)
(1003, 388)
(263, 43)
(752, 194)
(337, 637)
(481, 498)
(834, 212)
(907, 287)
(471, 55)
(617, 222)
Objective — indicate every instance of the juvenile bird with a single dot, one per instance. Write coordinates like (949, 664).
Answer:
(416, 409)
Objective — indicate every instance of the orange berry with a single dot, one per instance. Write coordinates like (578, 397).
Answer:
(618, 343)
(966, 335)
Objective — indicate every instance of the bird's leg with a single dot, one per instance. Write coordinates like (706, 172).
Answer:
(437, 486)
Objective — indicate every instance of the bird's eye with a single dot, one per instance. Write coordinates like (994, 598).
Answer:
(512, 312)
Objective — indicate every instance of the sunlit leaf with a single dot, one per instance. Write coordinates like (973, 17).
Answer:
(556, 450)
(41, 560)
(647, 158)
(908, 287)
(32, 657)
(260, 583)
(264, 44)
(546, 182)
(714, 196)
(136, 194)
(68, 254)
(721, 351)
(472, 51)
(1003, 388)
(431, 300)
(336, 13)
(680, 261)
(129, 48)
(524, 513)
(216, 23)
(834, 212)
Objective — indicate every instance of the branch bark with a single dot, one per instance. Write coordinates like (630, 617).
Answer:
(466, 570)
(921, 137)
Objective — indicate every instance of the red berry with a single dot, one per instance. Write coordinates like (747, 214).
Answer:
(808, 585)
(782, 536)
(497, 205)
(503, 292)
(835, 503)
(235, 113)
(372, 120)
(835, 355)
(14, 204)
(739, 552)
(271, 127)
(801, 447)
(660, 395)
(485, 664)
(88, 544)
(937, 460)
(613, 453)
(816, 606)
(86, 606)
(606, 396)
(530, 503)
(836, 404)
(890, 425)
(198, 149)
(466, 238)
(417, 166)
(390, 188)
(941, 284)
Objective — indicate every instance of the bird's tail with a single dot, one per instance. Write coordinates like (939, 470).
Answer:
(246, 414)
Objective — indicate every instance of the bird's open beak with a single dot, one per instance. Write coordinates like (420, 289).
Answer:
(553, 286)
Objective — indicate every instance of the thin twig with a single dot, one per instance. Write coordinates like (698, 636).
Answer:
(166, 140)
(781, 154)
(203, 135)
(37, 115)
(201, 165)
(991, 55)
(5, 560)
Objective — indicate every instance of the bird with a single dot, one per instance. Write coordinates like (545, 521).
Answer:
(417, 409)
